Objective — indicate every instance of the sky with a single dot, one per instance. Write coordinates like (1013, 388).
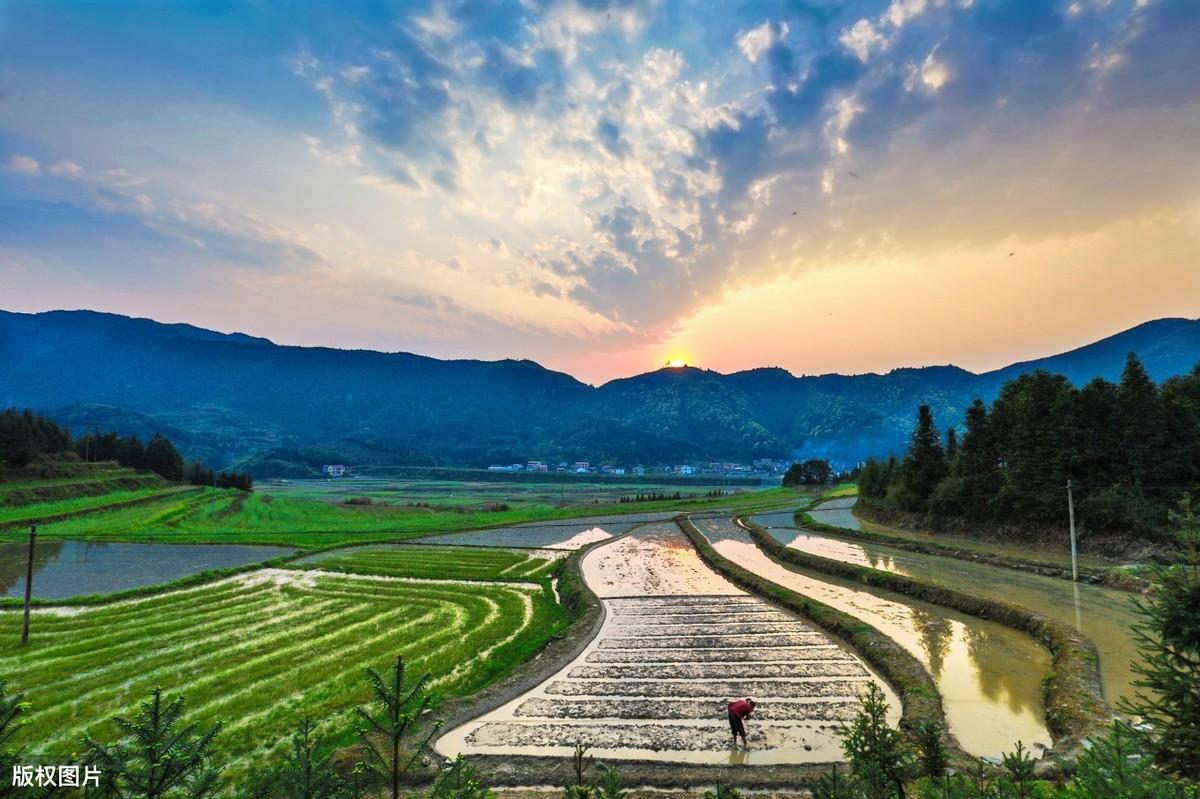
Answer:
(603, 185)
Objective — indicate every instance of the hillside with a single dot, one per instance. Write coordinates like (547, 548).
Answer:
(228, 398)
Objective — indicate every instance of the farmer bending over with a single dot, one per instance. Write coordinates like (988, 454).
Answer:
(739, 711)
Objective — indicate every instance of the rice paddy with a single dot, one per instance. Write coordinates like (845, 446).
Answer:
(429, 561)
(259, 651)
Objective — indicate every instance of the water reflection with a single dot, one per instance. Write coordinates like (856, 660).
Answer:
(73, 568)
(989, 675)
(1104, 615)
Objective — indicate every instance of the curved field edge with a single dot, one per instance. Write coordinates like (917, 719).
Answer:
(919, 697)
(1072, 693)
(464, 661)
(229, 516)
(1112, 577)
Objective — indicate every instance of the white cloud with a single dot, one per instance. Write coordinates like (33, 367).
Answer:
(23, 164)
(756, 41)
(860, 38)
(934, 73)
(900, 11)
(65, 169)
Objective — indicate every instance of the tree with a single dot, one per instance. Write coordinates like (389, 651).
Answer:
(162, 457)
(1168, 638)
(157, 756)
(878, 756)
(1140, 423)
(460, 780)
(11, 707)
(811, 472)
(399, 707)
(924, 465)
(306, 772)
(1114, 767)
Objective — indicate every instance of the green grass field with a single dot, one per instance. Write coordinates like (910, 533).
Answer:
(423, 560)
(198, 515)
(259, 651)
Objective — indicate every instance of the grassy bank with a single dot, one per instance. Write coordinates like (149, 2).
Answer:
(1075, 706)
(919, 696)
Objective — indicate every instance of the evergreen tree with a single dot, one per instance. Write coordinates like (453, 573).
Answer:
(878, 756)
(1141, 423)
(924, 465)
(400, 707)
(11, 707)
(162, 457)
(1168, 640)
(157, 756)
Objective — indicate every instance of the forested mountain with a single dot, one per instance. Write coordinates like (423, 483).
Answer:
(229, 398)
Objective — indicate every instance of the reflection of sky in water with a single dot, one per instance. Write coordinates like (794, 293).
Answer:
(72, 568)
(1104, 615)
(989, 675)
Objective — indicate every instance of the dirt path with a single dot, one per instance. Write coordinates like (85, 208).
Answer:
(677, 642)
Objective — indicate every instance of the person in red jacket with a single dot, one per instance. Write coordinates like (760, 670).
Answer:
(739, 711)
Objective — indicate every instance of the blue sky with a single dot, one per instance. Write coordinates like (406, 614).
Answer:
(600, 185)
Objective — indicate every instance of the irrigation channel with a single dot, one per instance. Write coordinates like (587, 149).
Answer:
(678, 641)
(1104, 615)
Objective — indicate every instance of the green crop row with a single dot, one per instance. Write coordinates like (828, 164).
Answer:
(432, 561)
(260, 650)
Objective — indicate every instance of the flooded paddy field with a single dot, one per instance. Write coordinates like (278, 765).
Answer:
(74, 568)
(568, 534)
(1104, 615)
(982, 669)
(677, 643)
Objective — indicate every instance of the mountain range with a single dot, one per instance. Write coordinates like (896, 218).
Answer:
(234, 399)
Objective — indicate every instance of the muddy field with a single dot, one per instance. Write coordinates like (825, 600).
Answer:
(677, 643)
(981, 668)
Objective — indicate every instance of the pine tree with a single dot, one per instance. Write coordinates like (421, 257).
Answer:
(924, 465)
(1141, 423)
(400, 708)
(878, 755)
(157, 757)
(1168, 638)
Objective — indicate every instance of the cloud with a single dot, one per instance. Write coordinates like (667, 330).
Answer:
(65, 169)
(756, 41)
(23, 164)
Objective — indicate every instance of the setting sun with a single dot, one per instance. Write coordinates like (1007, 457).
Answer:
(676, 363)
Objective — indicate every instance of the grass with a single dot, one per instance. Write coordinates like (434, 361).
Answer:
(227, 516)
(259, 651)
(423, 560)
(60, 509)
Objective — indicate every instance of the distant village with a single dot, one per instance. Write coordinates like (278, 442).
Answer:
(759, 467)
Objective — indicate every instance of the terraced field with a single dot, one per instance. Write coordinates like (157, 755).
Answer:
(565, 535)
(982, 669)
(259, 651)
(424, 560)
(678, 641)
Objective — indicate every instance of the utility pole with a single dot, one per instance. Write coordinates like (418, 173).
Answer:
(1071, 513)
(28, 585)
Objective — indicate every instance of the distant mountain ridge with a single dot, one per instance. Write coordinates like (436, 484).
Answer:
(276, 409)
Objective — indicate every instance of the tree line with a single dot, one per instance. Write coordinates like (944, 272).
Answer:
(26, 436)
(1130, 449)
